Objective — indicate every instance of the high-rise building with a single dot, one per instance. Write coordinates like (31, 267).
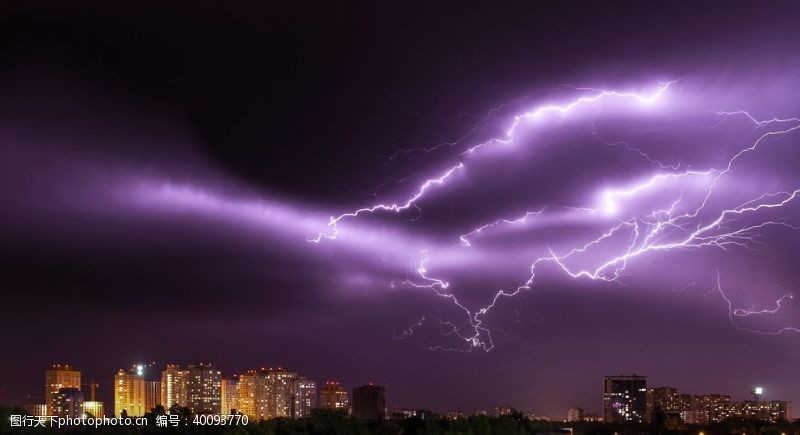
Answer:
(68, 403)
(94, 408)
(369, 402)
(713, 408)
(247, 394)
(203, 389)
(333, 396)
(665, 400)
(773, 411)
(272, 393)
(685, 405)
(575, 414)
(229, 392)
(173, 386)
(57, 377)
(279, 392)
(625, 399)
(710, 408)
(129, 392)
(304, 397)
(152, 395)
(262, 394)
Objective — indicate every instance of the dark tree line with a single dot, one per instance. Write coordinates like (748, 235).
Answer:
(327, 422)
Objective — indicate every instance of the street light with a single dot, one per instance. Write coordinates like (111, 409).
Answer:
(757, 392)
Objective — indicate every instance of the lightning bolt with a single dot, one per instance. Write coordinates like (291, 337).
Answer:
(646, 232)
(464, 238)
(395, 207)
(511, 135)
(733, 313)
(758, 123)
(439, 288)
(676, 227)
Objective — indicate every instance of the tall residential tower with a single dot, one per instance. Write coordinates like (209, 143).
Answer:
(625, 399)
(203, 389)
(57, 377)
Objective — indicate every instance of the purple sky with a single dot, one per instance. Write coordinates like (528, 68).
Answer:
(167, 192)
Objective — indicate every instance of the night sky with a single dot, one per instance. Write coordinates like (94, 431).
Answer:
(168, 171)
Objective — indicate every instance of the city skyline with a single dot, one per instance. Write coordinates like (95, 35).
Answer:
(625, 398)
(476, 206)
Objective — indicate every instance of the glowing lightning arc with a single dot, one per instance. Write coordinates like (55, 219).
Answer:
(537, 113)
(656, 230)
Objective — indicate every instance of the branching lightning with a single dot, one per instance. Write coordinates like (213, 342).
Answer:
(443, 177)
(682, 225)
(734, 313)
(464, 238)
